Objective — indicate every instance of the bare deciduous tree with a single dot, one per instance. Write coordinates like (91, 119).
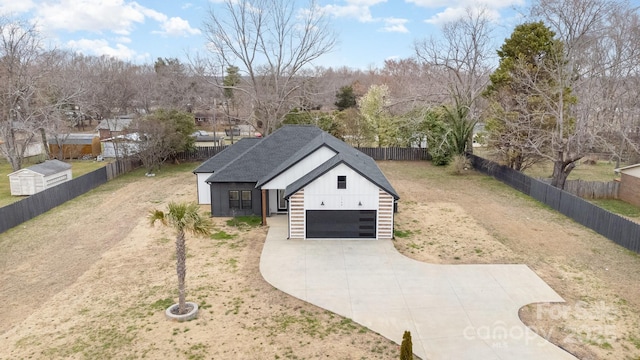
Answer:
(271, 42)
(463, 57)
(33, 89)
(463, 53)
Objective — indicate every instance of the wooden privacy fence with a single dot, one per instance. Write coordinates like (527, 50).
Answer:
(620, 230)
(590, 189)
(32, 206)
(200, 153)
(395, 153)
(392, 153)
(26, 209)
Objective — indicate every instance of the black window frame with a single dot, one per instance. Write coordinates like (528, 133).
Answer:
(246, 203)
(234, 201)
(240, 199)
(342, 181)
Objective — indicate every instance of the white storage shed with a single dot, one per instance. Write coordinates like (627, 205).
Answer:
(36, 178)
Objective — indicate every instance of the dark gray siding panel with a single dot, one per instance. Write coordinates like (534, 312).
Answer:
(220, 199)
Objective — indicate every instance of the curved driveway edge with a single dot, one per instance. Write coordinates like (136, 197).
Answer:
(453, 311)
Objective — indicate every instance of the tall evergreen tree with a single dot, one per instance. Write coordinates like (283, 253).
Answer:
(345, 98)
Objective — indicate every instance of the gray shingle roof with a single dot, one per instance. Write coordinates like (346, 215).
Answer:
(50, 167)
(223, 158)
(258, 161)
(269, 157)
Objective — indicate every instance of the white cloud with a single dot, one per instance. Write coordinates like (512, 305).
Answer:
(456, 13)
(8, 7)
(101, 47)
(176, 26)
(357, 9)
(117, 16)
(455, 9)
(395, 25)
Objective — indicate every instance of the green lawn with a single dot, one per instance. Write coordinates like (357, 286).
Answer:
(78, 168)
(601, 171)
(618, 207)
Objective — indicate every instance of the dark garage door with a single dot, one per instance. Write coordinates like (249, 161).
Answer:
(341, 224)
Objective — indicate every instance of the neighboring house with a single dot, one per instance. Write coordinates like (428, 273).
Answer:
(33, 148)
(75, 146)
(327, 188)
(110, 128)
(203, 139)
(39, 177)
(201, 117)
(629, 190)
(120, 146)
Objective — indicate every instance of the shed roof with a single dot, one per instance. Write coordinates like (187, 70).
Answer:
(47, 168)
(74, 139)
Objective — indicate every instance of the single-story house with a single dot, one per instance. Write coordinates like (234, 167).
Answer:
(36, 178)
(110, 128)
(121, 146)
(327, 188)
(629, 190)
(75, 146)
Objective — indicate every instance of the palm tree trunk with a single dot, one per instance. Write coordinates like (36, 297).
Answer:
(181, 268)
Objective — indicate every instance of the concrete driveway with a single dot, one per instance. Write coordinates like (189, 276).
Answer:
(453, 311)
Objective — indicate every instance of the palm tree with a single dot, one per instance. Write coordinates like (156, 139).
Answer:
(183, 217)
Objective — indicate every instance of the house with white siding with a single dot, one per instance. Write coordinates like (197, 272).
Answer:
(327, 188)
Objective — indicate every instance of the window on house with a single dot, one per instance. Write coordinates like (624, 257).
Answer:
(246, 199)
(234, 199)
(342, 182)
(240, 199)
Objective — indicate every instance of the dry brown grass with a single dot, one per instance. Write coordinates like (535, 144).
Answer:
(90, 279)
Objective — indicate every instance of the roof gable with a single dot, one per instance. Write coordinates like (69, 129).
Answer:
(269, 153)
(266, 158)
(360, 163)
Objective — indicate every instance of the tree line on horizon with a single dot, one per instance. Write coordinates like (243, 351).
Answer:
(561, 86)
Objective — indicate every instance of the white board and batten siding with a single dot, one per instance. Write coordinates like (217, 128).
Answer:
(360, 194)
(295, 172)
(300, 169)
(204, 190)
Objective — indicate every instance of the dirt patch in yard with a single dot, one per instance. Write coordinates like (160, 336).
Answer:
(475, 219)
(91, 279)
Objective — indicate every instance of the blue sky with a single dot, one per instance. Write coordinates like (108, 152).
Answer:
(369, 31)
